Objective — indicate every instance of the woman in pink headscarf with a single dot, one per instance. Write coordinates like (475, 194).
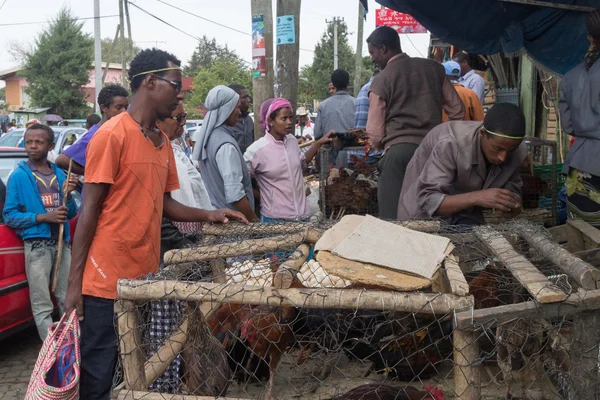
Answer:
(277, 164)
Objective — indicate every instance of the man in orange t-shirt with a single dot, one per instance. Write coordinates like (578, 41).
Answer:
(130, 172)
(473, 106)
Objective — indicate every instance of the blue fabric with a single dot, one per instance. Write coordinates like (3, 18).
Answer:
(23, 203)
(556, 39)
(362, 106)
(77, 151)
(281, 255)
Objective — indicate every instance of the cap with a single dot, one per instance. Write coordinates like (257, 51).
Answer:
(452, 68)
(32, 122)
(301, 111)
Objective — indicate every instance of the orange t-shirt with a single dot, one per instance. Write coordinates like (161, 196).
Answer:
(473, 107)
(127, 240)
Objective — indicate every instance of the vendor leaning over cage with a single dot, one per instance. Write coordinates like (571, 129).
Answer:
(130, 172)
(462, 168)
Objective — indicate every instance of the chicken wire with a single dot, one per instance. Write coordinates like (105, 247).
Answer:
(297, 344)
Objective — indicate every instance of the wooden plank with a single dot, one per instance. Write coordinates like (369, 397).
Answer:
(466, 376)
(456, 278)
(583, 273)
(524, 271)
(575, 240)
(158, 363)
(590, 234)
(559, 233)
(423, 303)
(590, 256)
(130, 344)
(575, 303)
(137, 395)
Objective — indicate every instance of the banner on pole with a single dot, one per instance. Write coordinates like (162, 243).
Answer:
(286, 32)
(402, 23)
(259, 55)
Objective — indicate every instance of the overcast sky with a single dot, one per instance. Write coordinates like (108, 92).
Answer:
(148, 32)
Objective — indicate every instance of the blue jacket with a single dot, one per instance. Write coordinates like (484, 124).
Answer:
(24, 203)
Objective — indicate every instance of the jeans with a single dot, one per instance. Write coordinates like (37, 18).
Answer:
(98, 348)
(40, 258)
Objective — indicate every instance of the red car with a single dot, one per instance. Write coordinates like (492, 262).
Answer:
(15, 309)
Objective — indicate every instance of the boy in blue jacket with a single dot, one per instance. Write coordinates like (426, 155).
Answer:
(33, 207)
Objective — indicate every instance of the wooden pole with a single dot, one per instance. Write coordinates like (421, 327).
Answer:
(122, 44)
(109, 55)
(130, 38)
(262, 87)
(466, 376)
(61, 233)
(583, 273)
(423, 303)
(359, 46)
(130, 344)
(158, 363)
(287, 271)
(137, 395)
(288, 54)
(456, 278)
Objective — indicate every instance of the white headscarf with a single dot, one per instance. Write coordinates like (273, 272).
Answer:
(220, 103)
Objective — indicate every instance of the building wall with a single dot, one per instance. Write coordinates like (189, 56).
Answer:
(112, 77)
(13, 93)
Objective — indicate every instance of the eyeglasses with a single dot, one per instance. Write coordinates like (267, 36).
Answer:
(180, 118)
(176, 85)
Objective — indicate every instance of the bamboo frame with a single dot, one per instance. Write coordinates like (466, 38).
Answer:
(287, 271)
(456, 278)
(129, 342)
(466, 376)
(420, 303)
(138, 395)
(156, 365)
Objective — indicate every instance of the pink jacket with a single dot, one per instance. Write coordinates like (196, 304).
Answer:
(277, 167)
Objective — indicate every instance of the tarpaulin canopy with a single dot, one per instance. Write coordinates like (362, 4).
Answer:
(554, 38)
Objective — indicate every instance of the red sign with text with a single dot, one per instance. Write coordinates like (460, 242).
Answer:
(403, 23)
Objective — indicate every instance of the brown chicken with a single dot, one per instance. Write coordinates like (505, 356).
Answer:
(206, 371)
(484, 288)
(361, 167)
(385, 392)
(268, 335)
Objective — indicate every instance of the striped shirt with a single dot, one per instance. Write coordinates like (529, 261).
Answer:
(362, 106)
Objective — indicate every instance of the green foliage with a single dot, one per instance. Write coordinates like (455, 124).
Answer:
(114, 56)
(315, 78)
(3, 94)
(207, 53)
(57, 69)
(221, 72)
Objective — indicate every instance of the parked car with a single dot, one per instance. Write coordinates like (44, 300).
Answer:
(64, 136)
(192, 123)
(15, 308)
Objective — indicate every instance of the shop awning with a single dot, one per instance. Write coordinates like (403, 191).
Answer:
(556, 38)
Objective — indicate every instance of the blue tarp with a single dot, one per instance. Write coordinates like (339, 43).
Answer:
(555, 38)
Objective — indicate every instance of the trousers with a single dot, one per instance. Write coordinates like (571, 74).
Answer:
(392, 168)
(40, 257)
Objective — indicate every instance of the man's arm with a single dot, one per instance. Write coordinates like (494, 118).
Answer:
(452, 103)
(243, 206)
(565, 110)
(175, 211)
(318, 129)
(479, 88)
(63, 162)
(95, 194)
(376, 119)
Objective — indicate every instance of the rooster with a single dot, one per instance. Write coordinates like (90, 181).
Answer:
(268, 335)
(206, 371)
(385, 392)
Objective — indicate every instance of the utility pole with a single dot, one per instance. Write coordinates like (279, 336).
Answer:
(97, 53)
(122, 44)
(262, 83)
(335, 22)
(359, 46)
(110, 52)
(126, 4)
(288, 54)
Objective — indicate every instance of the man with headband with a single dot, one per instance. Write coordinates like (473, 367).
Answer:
(463, 167)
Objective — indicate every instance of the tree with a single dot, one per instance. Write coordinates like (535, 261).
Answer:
(315, 78)
(58, 67)
(221, 72)
(114, 56)
(3, 94)
(207, 52)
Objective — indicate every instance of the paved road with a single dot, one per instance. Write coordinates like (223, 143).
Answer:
(18, 354)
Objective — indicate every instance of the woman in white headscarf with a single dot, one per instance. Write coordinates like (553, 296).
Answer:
(221, 162)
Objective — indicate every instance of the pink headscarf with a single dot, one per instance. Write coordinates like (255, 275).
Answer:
(277, 104)
(263, 113)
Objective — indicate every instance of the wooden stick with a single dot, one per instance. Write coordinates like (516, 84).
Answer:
(159, 362)
(584, 274)
(257, 228)
(456, 278)
(307, 144)
(137, 395)
(423, 303)
(575, 303)
(130, 344)
(524, 271)
(466, 376)
(61, 233)
(287, 271)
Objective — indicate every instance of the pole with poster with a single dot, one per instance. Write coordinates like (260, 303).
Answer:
(262, 57)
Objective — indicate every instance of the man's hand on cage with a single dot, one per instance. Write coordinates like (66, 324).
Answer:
(224, 215)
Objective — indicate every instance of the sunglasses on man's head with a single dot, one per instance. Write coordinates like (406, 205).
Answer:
(180, 118)
(176, 85)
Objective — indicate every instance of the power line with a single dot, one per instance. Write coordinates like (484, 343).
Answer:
(163, 21)
(212, 22)
(3, 4)
(45, 22)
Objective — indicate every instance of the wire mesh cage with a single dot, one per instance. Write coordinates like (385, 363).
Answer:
(247, 313)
